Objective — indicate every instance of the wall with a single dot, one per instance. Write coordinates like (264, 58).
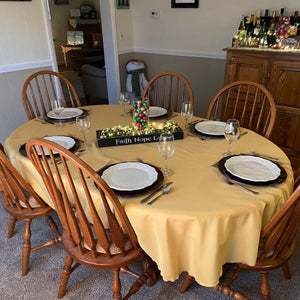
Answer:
(22, 26)
(205, 30)
(24, 50)
(60, 15)
(124, 23)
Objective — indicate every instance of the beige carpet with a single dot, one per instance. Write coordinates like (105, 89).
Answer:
(43, 278)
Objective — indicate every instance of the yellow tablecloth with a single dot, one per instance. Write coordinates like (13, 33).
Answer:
(203, 223)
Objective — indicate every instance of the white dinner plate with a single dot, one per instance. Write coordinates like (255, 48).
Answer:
(129, 176)
(156, 111)
(252, 168)
(64, 141)
(211, 127)
(68, 113)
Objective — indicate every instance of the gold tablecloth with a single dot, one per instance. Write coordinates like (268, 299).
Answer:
(203, 223)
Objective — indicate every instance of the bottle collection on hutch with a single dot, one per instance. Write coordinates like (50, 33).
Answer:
(274, 31)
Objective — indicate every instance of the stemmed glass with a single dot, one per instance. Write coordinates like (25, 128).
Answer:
(83, 124)
(187, 112)
(166, 147)
(58, 107)
(231, 133)
(124, 100)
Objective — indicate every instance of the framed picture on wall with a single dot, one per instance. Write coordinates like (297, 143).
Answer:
(122, 4)
(184, 3)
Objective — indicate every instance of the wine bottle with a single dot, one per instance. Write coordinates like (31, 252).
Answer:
(258, 29)
(250, 28)
(266, 18)
(273, 22)
(294, 24)
(241, 32)
(264, 39)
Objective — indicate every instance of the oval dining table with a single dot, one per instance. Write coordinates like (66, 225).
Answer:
(203, 222)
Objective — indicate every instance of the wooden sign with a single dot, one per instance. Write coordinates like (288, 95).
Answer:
(130, 140)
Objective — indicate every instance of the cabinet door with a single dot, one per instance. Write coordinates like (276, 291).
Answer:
(246, 68)
(285, 88)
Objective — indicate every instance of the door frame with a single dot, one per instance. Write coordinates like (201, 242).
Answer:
(109, 31)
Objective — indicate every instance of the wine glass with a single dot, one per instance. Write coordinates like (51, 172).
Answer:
(231, 133)
(83, 124)
(58, 107)
(187, 112)
(124, 100)
(166, 147)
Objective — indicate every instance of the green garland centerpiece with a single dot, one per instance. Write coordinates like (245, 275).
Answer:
(153, 128)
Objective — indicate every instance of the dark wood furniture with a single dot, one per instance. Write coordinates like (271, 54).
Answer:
(43, 86)
(168, 90)
(277, 244)
(279, 72)
(22, 203)
(78, 57)
(249, 102)
(110, 243)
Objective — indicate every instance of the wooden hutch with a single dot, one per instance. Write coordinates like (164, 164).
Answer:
(279, 72)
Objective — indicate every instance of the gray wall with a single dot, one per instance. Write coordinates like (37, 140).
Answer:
(205, 75)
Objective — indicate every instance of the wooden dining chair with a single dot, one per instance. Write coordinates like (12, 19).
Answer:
(22, 203)
(168, 90)
(277, 244)
(249, 102)
(96, 230)
(43, 86)
(297, 177)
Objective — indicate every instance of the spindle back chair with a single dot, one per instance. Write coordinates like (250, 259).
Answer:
(249, 102)
(21, 202)
(43, 86)
(168, 90)
(96, 230)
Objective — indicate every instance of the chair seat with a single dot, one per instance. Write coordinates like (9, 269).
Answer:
(32, 202)
(101, 261)
(113, 249)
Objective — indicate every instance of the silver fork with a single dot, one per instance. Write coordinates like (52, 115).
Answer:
(263, 155)
(240, 185)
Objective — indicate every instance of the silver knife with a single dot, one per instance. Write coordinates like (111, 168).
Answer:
(155, 192)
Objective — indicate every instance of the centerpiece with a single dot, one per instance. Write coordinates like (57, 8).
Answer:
(127, 135)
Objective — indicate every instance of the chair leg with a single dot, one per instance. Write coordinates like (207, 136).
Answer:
(233, 275)
(116, 286)
(67, 270)
(186, 282)
(230, 292)
(26, 247)
(286, 270)
(149, 268)
(11, 226)
(265, 287)
(52, 225)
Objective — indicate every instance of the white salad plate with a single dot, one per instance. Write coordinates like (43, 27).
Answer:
(68, 113)
(64, 141)
(156, 111)
(129, 176)
(252, 168)
(210, 127)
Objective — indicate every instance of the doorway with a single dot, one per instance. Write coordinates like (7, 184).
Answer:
(108, 23)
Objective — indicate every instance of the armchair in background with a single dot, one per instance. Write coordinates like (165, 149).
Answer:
(94, 84)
